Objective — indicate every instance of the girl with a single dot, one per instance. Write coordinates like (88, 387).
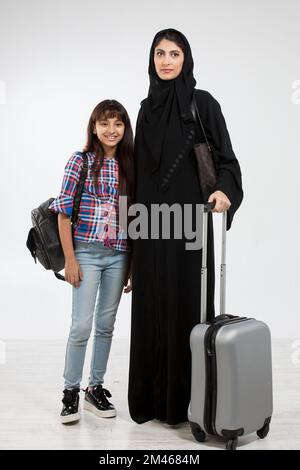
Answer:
(165, 276)
(98, 265)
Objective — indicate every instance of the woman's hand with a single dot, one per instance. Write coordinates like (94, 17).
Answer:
(222, 201)
(128, 279)
(73, 273)
(128, 283)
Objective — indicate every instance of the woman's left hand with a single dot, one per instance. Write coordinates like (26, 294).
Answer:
(128, 283)
(128, 279)
(222, 201)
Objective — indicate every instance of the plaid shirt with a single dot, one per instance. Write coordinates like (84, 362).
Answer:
(98, 210)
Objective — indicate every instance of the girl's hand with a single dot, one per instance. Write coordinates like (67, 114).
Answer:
(222, 201)
(73, 273)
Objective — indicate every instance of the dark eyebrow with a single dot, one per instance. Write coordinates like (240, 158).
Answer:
(161, 50)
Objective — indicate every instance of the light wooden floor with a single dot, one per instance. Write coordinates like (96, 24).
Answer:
(30, 394)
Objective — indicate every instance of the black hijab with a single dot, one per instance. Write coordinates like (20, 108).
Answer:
(167, 114)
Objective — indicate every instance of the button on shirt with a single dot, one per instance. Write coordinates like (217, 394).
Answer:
(99, 209)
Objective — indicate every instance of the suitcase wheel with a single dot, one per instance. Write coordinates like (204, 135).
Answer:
(231, 444)
(197, 432)
(263, 432)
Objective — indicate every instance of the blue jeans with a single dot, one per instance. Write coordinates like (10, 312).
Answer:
(104, 271)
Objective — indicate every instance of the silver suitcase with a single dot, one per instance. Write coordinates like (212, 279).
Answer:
(231, 390)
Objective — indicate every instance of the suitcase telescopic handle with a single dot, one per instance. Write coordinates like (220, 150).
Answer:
(207, 207)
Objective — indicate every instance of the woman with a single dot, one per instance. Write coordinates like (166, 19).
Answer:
(97, 266)
(165, 276)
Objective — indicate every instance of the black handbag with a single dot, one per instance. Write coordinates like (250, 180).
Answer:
(43, 239)
(206, 162)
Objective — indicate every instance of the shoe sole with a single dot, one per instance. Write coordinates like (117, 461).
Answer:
(102, 414)
(70, 418)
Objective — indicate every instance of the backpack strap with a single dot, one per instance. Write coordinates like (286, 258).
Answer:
(59, 276)
(79, 190)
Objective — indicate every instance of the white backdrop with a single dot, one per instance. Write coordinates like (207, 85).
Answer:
(59, 58)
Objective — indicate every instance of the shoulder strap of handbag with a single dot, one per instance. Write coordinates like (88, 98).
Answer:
(79, 190)
(195, 112)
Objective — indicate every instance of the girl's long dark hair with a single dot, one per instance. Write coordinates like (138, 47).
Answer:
(124, 154)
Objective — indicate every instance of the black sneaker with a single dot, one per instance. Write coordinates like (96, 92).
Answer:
(95, 400)
(70, 411)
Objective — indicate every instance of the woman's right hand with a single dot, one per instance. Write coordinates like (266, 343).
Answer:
(73, 273)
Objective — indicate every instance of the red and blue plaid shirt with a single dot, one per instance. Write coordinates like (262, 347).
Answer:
(99, 209)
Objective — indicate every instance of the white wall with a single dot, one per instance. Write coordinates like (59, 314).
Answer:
(59, 58)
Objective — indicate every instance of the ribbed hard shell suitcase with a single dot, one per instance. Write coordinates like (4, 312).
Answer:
(231, 390)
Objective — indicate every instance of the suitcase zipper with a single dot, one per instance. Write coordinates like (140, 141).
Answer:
(210, 405)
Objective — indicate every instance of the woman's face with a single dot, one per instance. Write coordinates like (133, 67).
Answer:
(168, 59)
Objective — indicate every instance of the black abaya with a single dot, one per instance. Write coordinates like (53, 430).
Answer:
(165, 276)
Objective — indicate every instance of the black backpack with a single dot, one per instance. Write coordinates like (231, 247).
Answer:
(43, 239)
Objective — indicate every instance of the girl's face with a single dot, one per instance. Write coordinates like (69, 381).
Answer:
(168, 59)
(110, 132)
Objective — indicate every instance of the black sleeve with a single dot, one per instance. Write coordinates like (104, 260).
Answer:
(229, 177)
